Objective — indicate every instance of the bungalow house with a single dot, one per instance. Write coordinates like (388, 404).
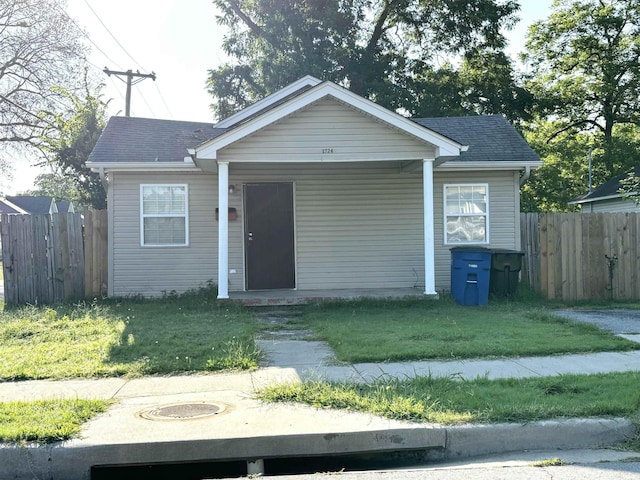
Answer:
(313, 188)
(607, 197)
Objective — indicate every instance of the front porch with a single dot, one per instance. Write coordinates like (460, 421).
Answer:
(266, 298)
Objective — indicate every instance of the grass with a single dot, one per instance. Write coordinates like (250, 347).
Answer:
(451, 401)
(130, 337)
(384, 331)
(46, 421)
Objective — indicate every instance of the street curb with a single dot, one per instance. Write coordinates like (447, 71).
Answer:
(73, 460)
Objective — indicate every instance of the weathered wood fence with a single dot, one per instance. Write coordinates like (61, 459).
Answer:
(580, 256)
(53, 258)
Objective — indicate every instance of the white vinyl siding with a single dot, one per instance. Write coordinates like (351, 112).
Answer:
(503, 189)
(164, 215)
(136, 269)
(466, 214)
(327, 131)
(356, 225)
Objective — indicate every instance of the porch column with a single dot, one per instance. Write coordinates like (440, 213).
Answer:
(223, 230)
(429, 244)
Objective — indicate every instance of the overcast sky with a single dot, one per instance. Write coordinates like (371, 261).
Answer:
(179, 41)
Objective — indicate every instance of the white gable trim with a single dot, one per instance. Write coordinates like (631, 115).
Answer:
(307, 81)
(444, 146)
(615, 196)
(15, 207)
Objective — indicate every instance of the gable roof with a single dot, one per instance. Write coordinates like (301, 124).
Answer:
(33, 204)
(490, 138)
(303, 97)
(147, 140)
(279, 97)
(607, 190)
(8, 208)
(143, 143)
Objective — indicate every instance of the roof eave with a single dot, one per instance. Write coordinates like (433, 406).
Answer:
(144, 166)
(597, 199)
(464, 165)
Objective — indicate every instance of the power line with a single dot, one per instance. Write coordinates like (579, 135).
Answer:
(86, 35)
(130, 75)
(163, 100)
(145, 101)
(113, 36)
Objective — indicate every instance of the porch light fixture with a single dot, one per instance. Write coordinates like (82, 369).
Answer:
(232, 189)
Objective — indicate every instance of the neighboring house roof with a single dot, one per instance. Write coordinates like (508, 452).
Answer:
(8, 208)
(65, 206)
(33, 204)
(606, 191)
(490, 137)
(131, 139)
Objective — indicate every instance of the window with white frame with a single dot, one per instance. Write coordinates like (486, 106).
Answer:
(164, 219)
(466, 217)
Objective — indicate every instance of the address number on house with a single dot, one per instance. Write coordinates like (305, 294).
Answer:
(327, 151)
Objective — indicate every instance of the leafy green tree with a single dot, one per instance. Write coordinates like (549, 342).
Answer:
(585, 64)
(70, 139)
(58, 186)
(380, 49)
(586, 59)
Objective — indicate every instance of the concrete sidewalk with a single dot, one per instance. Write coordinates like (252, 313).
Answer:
(236, 426)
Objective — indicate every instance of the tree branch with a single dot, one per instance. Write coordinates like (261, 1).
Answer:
(572, 125)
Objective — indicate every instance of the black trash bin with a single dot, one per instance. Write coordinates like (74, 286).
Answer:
(470, 268)
(505, 271)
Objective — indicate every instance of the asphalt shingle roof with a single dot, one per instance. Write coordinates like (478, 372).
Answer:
(608, 188)
(132, 139)
(35, 205)
(489, 137)
(8, 209)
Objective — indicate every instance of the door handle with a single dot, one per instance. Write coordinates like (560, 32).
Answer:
(250, 237)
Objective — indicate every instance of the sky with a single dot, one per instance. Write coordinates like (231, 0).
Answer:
(179, 41)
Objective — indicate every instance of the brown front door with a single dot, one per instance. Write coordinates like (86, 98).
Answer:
(269, 242)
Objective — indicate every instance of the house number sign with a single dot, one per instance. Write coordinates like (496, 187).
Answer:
(327, 150)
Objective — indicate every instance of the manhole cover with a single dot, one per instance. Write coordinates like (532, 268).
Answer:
(182, 411)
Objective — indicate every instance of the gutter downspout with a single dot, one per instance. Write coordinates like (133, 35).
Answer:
(525, 177)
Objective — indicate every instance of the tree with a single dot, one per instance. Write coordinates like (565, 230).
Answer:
(58, 186)
(40, 48)
(69, 140)
(380, 49)
(586, 59)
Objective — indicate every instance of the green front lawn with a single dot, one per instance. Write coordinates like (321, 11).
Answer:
(46, 420)
(384, 331)
(451, 401)
(186, 334)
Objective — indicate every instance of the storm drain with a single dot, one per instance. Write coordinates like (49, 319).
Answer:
(182, 411)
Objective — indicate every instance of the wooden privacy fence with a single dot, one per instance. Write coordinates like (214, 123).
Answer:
(582, 256)
(50, 259)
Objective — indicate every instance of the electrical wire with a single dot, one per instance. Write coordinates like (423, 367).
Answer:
(86, 35)
(145, 101)
(113, 36)
(163, 100)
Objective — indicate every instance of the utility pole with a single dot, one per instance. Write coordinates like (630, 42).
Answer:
(130, 75)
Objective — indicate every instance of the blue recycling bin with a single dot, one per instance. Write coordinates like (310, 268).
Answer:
(470, 274)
